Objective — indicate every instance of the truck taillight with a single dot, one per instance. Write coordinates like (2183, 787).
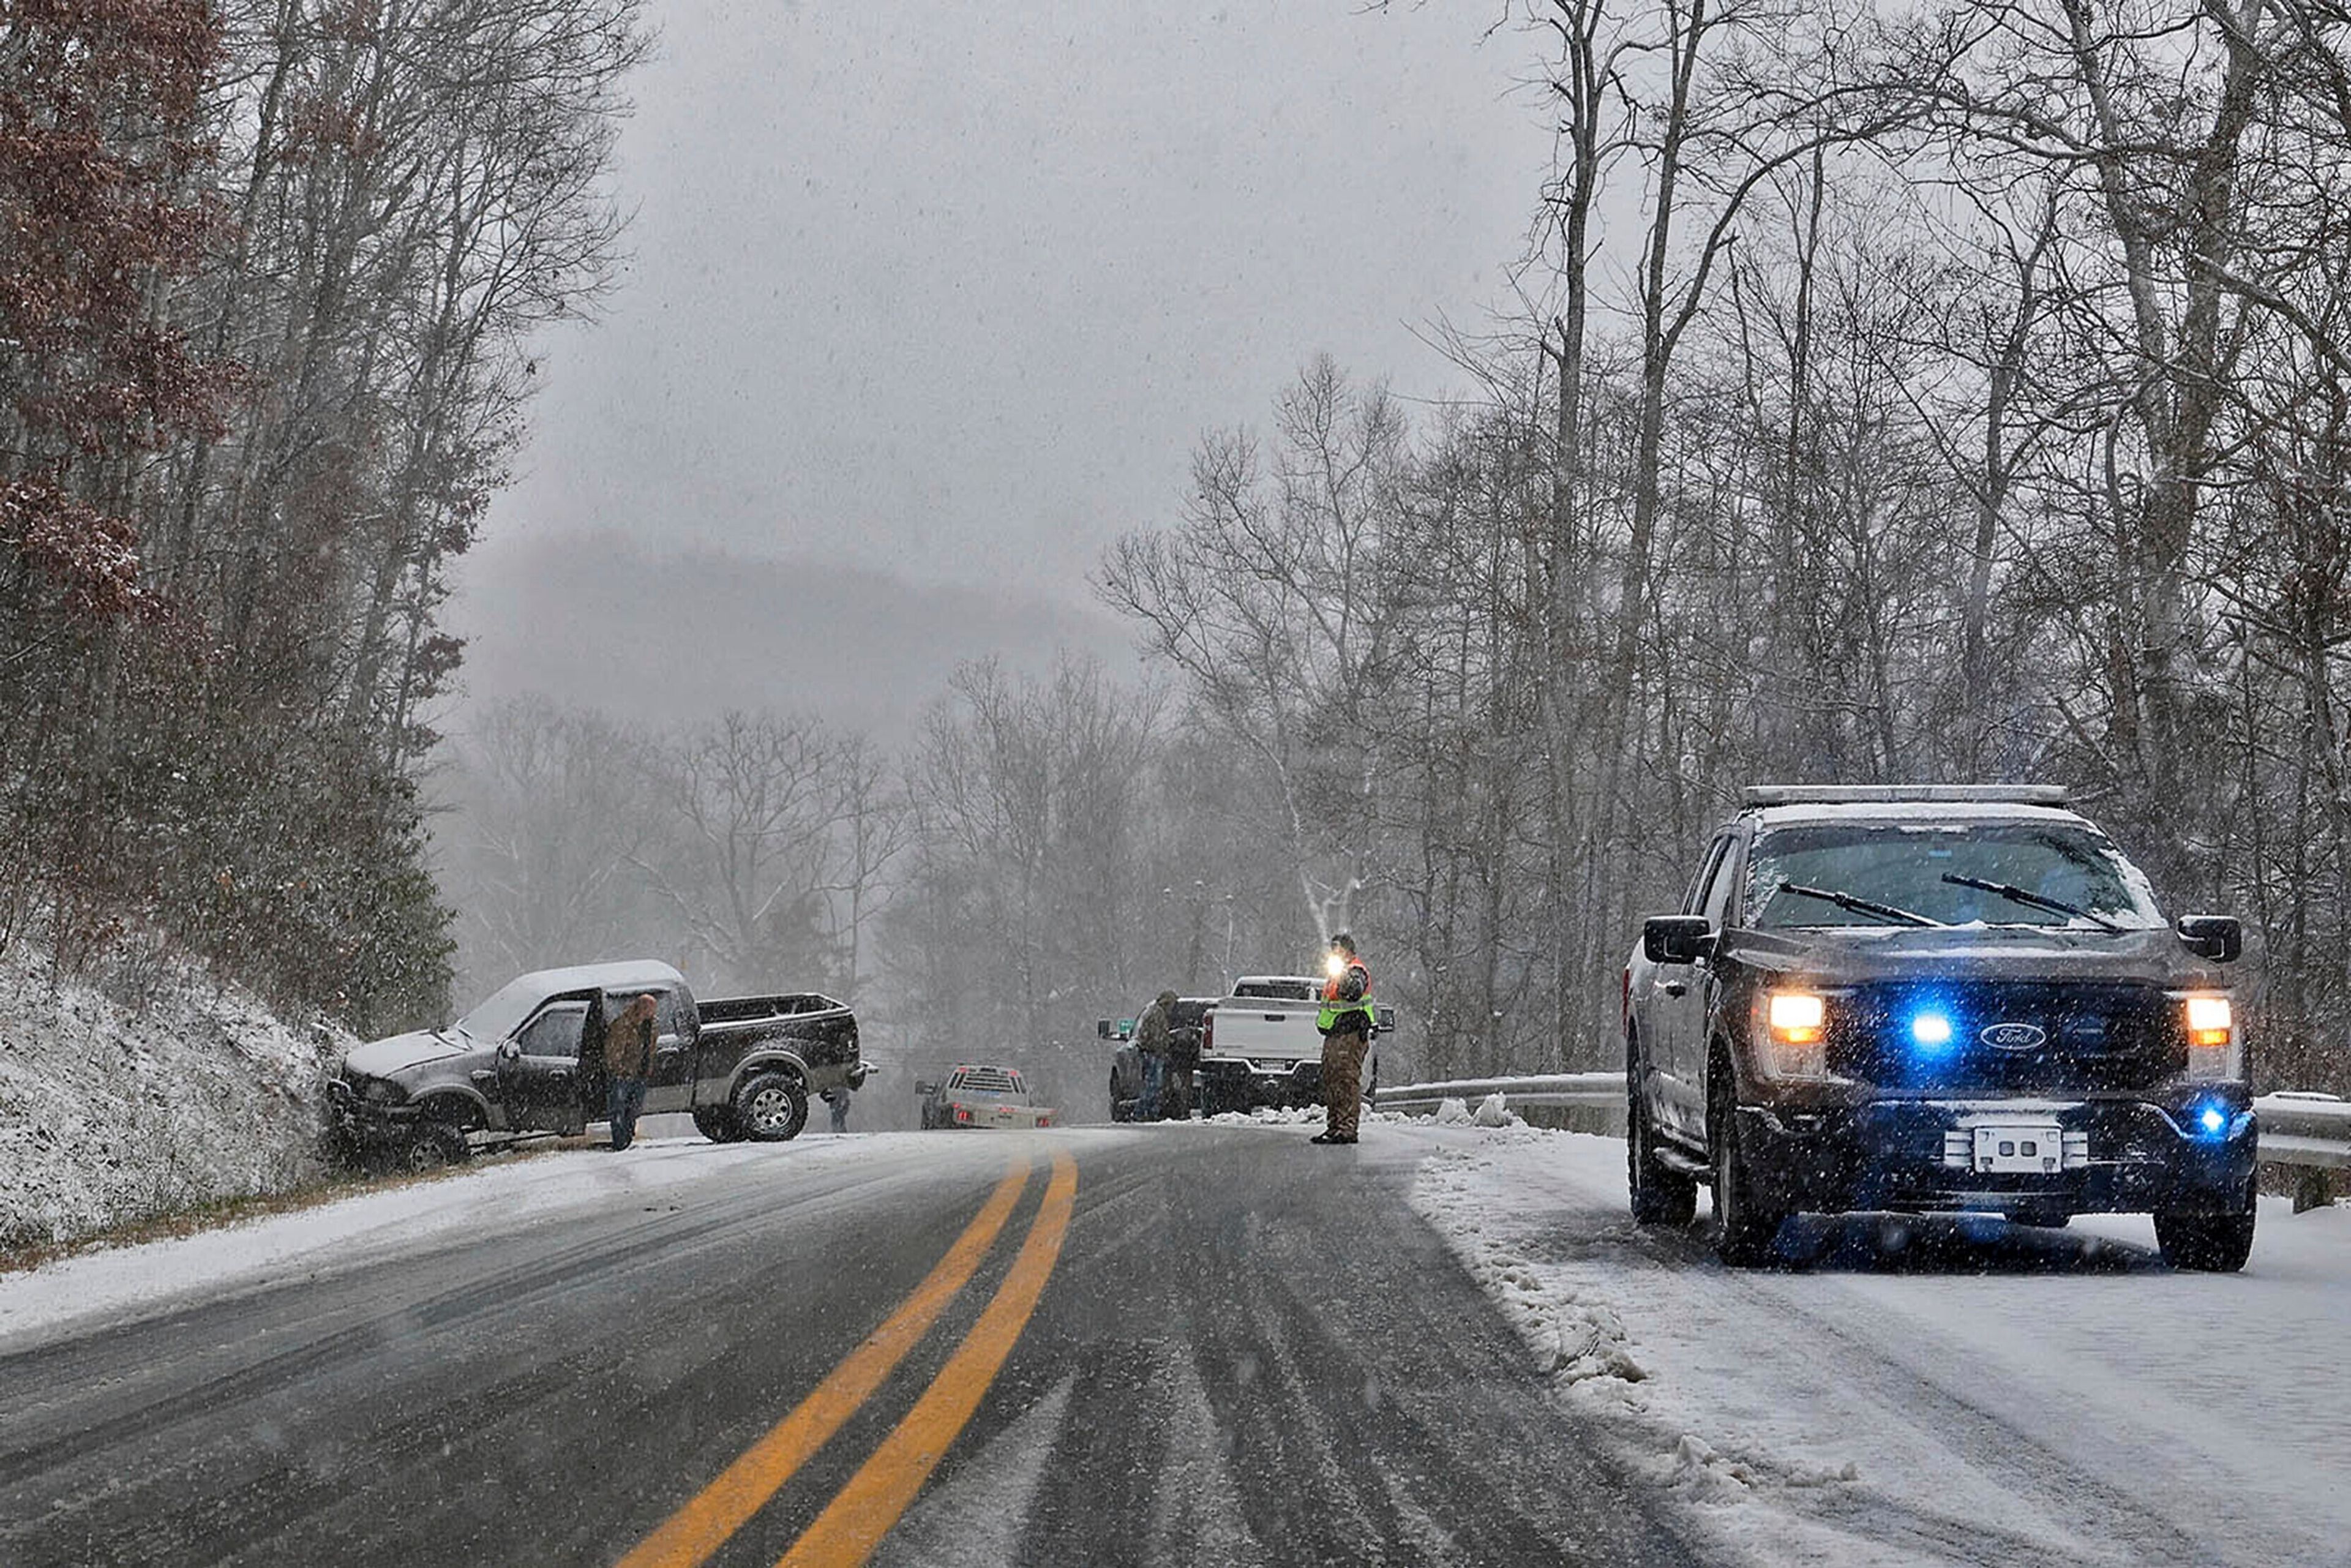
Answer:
(1208, 1028)
(963, 1115)
(1046, 1120)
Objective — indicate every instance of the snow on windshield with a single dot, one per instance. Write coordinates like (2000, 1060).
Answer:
(502, 1013)
(1906, 866)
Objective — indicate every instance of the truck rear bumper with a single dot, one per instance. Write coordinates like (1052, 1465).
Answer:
(2116, 1156)
(1239, 1084)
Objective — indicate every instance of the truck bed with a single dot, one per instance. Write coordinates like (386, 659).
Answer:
(730, 1011)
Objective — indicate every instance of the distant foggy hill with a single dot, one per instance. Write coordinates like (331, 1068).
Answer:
(715, 631)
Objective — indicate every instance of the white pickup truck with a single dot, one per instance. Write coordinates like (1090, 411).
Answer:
(1260, 1045)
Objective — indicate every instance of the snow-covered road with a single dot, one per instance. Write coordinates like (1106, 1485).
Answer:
(1928, 1392)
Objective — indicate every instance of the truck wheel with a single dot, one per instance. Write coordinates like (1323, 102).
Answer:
(2206, 1243)
(771, 1107)
(434, 1146)
(1743, 1228)
(1660, 1196)
(716, 1122)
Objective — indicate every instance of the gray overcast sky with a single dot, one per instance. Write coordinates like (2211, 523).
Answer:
(950, 290)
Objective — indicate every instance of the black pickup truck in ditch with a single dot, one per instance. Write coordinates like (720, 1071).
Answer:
(532, 1059)
(1935, 1000)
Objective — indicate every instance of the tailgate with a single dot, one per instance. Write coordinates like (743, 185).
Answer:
(1264, 1028)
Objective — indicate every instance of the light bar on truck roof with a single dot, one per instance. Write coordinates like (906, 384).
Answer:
(1871, 794)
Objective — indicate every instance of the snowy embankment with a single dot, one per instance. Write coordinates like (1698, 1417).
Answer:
(111, 1113)
(1926, 1391)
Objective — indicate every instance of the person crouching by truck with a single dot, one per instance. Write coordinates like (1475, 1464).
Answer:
(1345, 1020)
(1155, 1037)
(628, 1062)
(1183, 1062)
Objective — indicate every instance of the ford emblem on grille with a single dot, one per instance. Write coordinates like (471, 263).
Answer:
(2014, 1036)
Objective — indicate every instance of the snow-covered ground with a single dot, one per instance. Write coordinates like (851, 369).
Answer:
(1927, 1391)
(110, 1112)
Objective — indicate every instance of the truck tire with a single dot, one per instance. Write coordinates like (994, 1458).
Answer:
(1661, 1196)
(432, 1146)
(771, 1107)
(1743, 1228)
(2206, 1242)
(718, 1124)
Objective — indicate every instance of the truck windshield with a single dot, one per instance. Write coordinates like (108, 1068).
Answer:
(502, 1013)
(1911, 866)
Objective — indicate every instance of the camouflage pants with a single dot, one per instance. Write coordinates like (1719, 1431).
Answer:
(1343, 1082)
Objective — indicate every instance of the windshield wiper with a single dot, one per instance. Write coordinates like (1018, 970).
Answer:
(2016, 895)
(1857, 903)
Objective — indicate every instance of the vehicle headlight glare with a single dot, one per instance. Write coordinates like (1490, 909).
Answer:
(2210, 1020)
(1931, 1030)
(2215, 1054)
(2213, 1121)
(1798, 1018)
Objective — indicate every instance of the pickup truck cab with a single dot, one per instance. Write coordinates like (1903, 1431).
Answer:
(532, 1059)
(1188, 1026)
(1935, 999)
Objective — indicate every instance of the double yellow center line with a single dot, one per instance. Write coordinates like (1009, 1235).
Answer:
(881, 1490)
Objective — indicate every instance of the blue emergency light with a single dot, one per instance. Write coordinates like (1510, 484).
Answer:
(1930, 1029)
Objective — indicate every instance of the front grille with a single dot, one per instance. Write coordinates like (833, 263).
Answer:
(2068, 1037)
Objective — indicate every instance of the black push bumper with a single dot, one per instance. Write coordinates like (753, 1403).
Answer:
(357, 1127)
(2116, 1156)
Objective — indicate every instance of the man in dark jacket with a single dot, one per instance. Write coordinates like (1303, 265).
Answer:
(1153, 1038)
(1183, 1061)
(628, 1062)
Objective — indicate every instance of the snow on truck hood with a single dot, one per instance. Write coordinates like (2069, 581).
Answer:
(383, 1057)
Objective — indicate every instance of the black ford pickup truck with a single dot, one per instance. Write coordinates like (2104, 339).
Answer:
(1944, 998)
(531, 1057)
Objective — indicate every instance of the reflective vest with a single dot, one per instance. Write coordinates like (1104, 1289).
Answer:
(1333, 1009)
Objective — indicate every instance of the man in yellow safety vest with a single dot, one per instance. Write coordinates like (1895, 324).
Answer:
(1345, 1020)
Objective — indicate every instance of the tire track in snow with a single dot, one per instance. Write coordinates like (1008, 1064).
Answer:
(2116, 1506)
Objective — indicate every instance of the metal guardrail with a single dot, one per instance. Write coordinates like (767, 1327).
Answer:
(2305, 1130)
(2309, 1131)
(1554, 1088)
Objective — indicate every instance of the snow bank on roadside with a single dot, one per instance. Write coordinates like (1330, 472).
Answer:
(1922, 1392)
(110, 1114)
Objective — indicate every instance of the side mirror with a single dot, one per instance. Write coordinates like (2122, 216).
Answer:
(1384, 1016)
(1676, 938)
(1102, 1030)
(2220, 937)
(926, 1089)
(509, 1052)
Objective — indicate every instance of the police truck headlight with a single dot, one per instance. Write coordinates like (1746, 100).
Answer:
(2214, 1053)
(1795, 1034)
